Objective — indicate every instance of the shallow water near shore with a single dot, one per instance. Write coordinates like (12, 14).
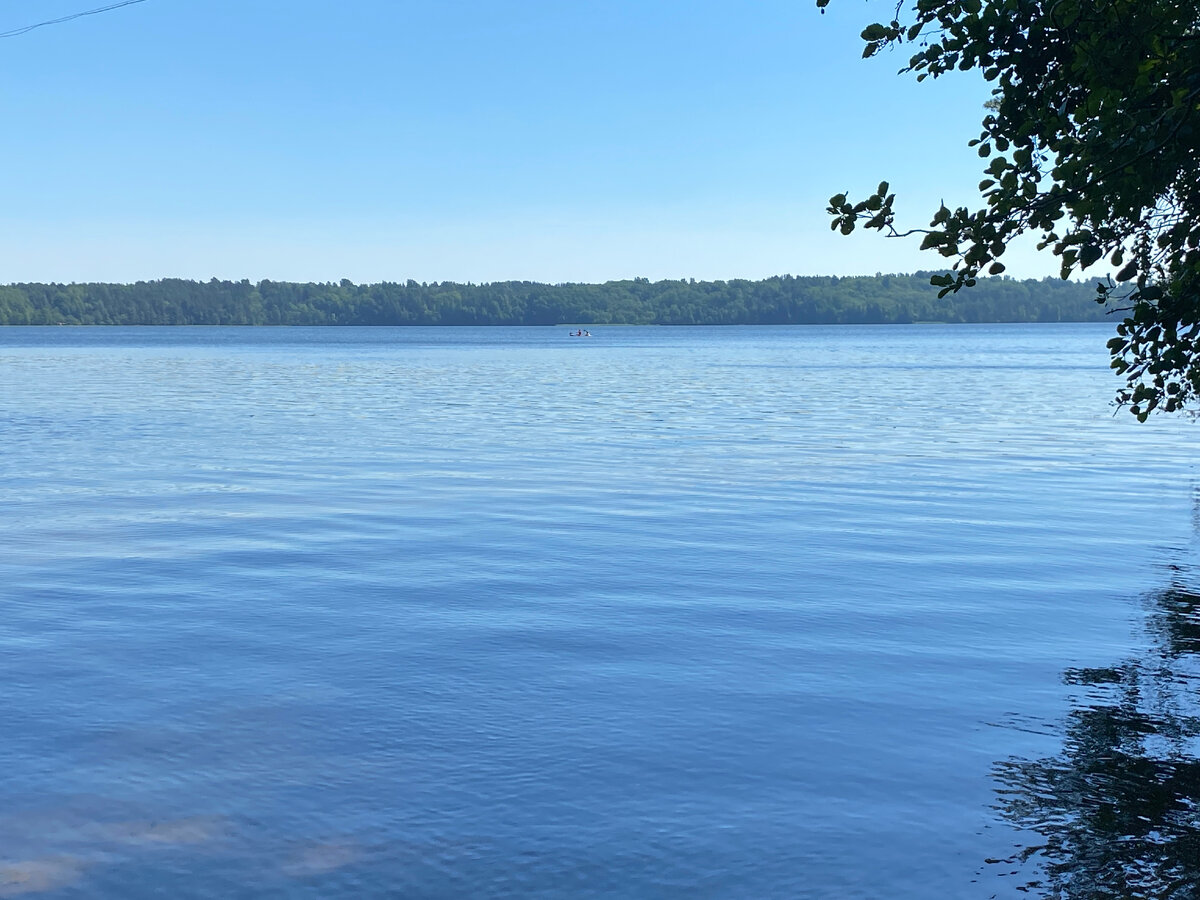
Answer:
(724, 612)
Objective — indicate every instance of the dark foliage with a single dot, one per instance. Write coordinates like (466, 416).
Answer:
(1091, 139)
(882, 299)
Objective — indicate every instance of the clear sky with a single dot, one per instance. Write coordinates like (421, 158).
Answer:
(465, 140)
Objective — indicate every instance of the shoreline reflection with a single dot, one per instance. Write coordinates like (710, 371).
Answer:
(1117, 811)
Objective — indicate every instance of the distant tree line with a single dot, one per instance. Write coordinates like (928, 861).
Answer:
(783, 300)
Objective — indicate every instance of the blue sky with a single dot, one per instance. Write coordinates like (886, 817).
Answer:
(467, 140)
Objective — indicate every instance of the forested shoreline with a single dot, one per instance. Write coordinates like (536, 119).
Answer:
(878, 299)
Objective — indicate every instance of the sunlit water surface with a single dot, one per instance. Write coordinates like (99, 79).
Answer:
(694, 612)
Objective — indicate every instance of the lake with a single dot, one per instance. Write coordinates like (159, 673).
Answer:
(663, 612)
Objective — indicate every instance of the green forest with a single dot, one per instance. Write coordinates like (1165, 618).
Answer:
(782, 300)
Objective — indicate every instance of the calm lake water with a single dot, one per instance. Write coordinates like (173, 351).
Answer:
(664, 612)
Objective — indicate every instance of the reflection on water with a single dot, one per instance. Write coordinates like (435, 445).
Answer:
(35, 876)
(82, 838)
(341, 614)
(1117, 812)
